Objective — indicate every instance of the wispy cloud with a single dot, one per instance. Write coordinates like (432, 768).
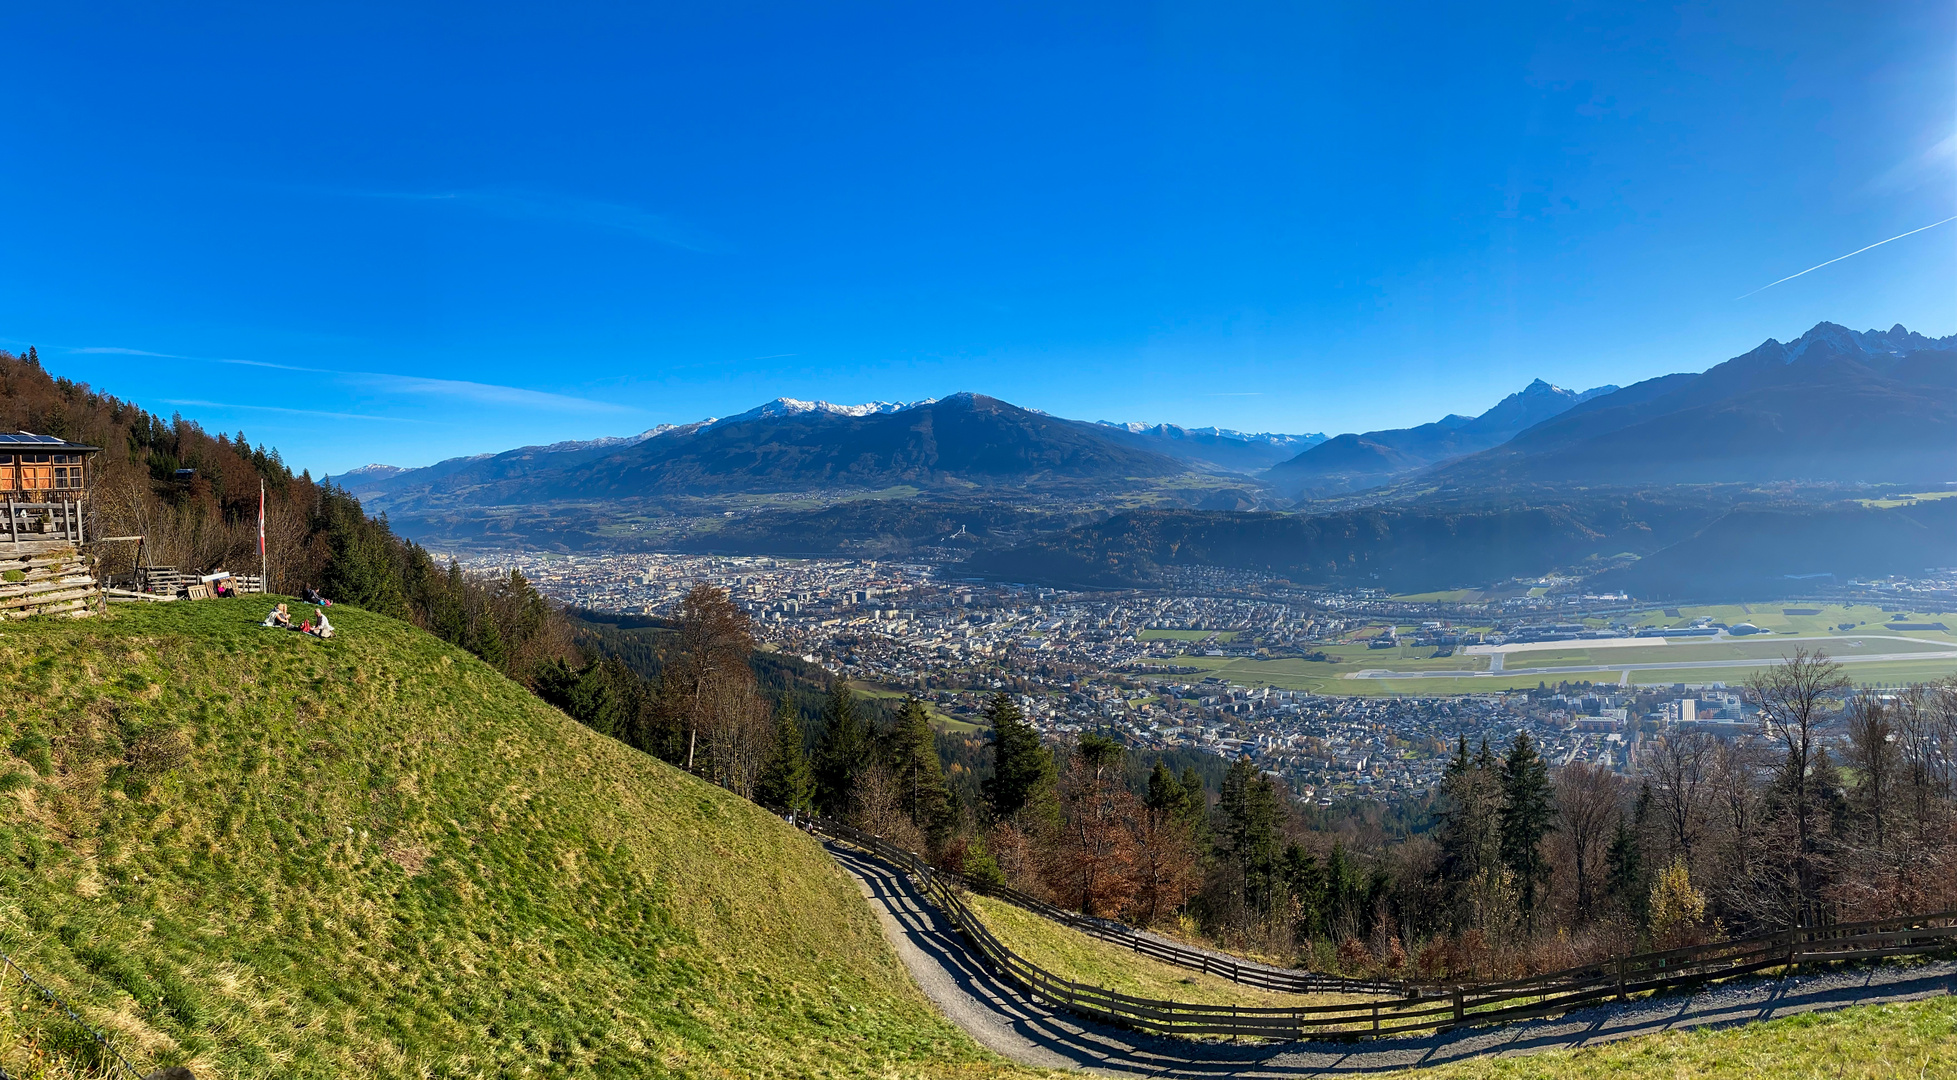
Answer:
(195, 403)
(1850, 255)
(1236, 393)
(386, 382)
(591, 213)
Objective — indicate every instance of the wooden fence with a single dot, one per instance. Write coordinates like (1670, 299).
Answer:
(1413, 1007)
(1236, 969)
(39, 522)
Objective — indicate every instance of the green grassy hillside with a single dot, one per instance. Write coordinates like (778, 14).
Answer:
(1080, 958)
(265, 855)
(268, 856)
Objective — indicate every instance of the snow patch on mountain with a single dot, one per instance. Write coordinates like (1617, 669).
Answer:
(787, 406)
(1177, 431)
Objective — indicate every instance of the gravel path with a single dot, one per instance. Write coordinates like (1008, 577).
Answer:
(1034, 1034)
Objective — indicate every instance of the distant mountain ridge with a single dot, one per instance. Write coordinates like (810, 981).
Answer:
(1833, 406)
(1351, 462)
(1210, 448)
(965, 440)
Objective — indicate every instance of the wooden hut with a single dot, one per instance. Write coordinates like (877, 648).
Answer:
(44, 482)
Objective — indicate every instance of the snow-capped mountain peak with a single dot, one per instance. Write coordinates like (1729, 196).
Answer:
(787, 406)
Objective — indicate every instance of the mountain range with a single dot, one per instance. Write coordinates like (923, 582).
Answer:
(1351, 462)
(1834, 407)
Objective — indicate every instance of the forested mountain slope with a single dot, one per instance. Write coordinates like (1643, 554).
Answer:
(270, 856)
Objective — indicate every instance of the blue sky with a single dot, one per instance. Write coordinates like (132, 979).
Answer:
(401, 233)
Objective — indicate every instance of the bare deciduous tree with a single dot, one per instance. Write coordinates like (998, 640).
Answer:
(1679, 769)
(1589, 801)
(1795, 698)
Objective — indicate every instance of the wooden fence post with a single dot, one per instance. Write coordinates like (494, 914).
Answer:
(1460, 1006)
(1622, 963)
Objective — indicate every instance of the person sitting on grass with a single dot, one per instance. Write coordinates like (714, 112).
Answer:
(318, 627)
(279, 619)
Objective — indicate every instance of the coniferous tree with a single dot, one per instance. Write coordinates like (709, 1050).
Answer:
(1247, 820)
(1470, 835)
(842, 754)
(786, 780)
(920, 778)
(1624, 873)
(1305, 880)
(1023, 772)
(1528, 815)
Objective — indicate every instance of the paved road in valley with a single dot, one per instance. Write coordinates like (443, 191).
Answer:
(993, 1013)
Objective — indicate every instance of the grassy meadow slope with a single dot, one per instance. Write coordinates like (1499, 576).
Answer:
(265, 855)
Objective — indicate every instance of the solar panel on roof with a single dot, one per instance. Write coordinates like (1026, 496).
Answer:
(28, 437)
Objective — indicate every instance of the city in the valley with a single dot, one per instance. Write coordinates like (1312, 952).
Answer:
(1345, 694)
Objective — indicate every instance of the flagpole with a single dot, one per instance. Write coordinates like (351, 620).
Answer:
(264, 568)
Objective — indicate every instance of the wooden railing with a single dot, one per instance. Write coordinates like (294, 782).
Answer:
(1417, 1007)
(21, 522)
(1236, 969)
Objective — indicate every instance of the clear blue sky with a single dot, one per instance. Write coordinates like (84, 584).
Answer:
(424, 231)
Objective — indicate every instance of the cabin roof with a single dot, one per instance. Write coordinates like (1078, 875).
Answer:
(17, 441)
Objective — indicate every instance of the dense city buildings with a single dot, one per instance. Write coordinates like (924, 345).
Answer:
(1140, 665)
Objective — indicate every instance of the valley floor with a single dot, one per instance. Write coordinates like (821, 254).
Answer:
(1812, 1028)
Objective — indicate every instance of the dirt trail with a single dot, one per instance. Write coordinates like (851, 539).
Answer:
(1034, 1034)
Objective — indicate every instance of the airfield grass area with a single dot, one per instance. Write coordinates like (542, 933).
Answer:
(1894, 501)
(1884, 673)
(1761, 648)
(1868, 618)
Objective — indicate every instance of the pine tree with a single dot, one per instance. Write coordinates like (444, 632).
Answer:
(913, 754)
(1023, 772)
(1470, 833)
(1624, 879)
(842, 754)
(1247, 819)
(786, 781)
(1528, 815)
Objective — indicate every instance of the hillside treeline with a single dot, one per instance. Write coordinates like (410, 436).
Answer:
(1847, 812)
(316, 535)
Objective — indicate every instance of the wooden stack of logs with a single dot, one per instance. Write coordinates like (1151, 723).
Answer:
(46, 577)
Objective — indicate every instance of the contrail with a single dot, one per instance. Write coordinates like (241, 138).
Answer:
(1850, 255)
